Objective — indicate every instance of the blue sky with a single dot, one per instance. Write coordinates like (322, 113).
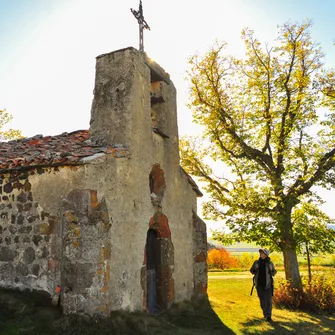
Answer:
(48, 48)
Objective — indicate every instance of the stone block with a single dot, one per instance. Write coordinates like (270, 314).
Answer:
(22, 270)
(28, 255)
(20, 219)
(22, 197)
(7, 254)
(12, 229)
(37, 239)
(35, 269)
(42, 228)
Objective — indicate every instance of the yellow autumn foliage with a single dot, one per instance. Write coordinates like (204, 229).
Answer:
(9, 134)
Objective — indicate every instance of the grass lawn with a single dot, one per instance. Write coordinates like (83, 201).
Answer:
(230, 299)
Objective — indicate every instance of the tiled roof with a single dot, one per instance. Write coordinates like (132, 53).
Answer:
(74, 148)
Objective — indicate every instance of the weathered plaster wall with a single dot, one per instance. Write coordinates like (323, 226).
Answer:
(179, 200)
(120, 108)
(121, 114)
(178, 203)
(133, 112)
(200, 256)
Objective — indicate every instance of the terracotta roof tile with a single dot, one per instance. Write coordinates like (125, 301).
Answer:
(66, 149)
(74, 148)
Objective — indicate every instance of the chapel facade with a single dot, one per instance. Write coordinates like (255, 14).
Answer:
(106, 219)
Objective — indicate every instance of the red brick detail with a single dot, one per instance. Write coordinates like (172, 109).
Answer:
(32, 142)
(94, 199)
(200, 257)
(201, 289)
(171, 290)
(144, 287)
(165, 283)
(157, 175)
(53, 264)
(159, 222)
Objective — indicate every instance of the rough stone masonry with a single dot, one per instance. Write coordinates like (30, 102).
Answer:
(105, 219)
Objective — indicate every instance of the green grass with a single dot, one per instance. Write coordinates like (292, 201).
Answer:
(230, 299)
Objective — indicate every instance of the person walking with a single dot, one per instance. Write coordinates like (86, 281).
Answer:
(263, 270)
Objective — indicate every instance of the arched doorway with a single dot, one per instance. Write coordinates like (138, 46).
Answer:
(157, 273)
(152, 265)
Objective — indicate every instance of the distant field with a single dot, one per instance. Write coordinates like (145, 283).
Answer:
(238, 249)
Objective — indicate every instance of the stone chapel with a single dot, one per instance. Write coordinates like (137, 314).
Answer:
(106, 219)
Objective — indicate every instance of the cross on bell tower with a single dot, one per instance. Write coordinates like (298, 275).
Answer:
(141, 22)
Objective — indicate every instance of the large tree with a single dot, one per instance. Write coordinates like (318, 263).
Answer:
(9, 134)
(269, 117)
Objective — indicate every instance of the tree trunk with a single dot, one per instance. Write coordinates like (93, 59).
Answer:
(308, 263)
(291, 266)
(288, 244)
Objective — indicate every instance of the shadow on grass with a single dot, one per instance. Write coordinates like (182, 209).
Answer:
(308, 324)
(196, 315)
(31, 313)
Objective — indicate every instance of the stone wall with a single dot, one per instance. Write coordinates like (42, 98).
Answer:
(29, 236)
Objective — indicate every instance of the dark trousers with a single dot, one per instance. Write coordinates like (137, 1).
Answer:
(265, 298)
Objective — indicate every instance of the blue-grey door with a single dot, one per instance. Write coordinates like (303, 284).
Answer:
(152, 253)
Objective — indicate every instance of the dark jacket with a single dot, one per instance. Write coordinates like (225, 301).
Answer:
(268, 273)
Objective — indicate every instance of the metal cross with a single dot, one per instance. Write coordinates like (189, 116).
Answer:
(141, 22)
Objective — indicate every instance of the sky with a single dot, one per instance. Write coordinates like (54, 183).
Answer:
(48, 50)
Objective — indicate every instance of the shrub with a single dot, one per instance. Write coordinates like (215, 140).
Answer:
(277, 259)
(332, 257)
(284, 296)
(221, 259)
(246, 260)
(324, 260)
(317, 261)
(317, 296)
